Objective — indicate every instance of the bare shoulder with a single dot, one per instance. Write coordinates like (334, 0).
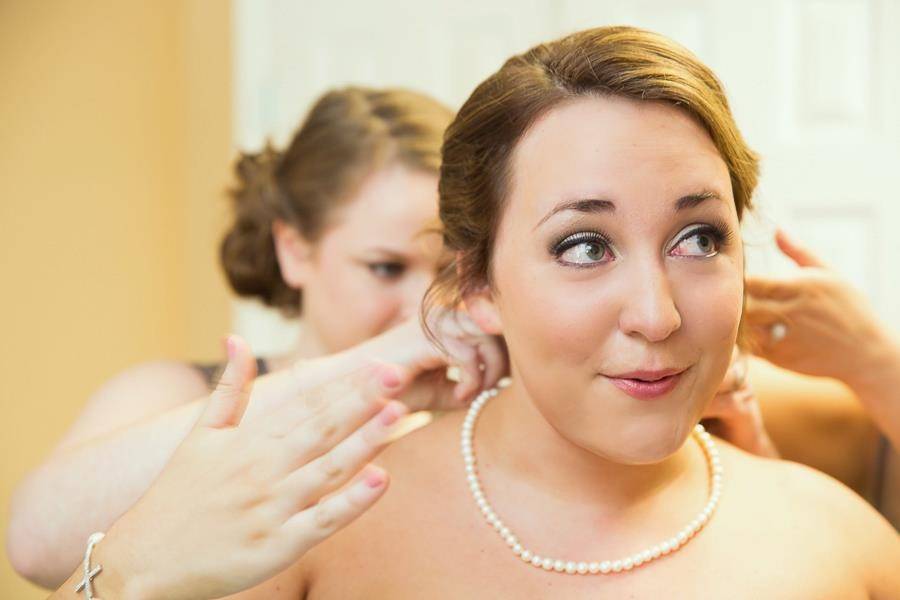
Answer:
(137, 392)
(420, 449)
(163, 383)
(810, 507)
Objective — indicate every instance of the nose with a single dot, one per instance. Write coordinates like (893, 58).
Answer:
(649, 308)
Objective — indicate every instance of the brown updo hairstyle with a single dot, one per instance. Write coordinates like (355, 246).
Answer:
(348, 134)
(624, 62)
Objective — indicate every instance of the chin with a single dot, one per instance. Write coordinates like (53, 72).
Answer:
(646, 442)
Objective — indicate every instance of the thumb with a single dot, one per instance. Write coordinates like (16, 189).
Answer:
(229, 400)
(797, 253)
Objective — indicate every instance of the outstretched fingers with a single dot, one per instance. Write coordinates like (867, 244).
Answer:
(323, 475)
(309, 527)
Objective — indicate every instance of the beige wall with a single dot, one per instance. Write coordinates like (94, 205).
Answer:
(114, 148)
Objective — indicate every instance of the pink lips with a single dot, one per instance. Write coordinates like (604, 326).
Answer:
(647, 385)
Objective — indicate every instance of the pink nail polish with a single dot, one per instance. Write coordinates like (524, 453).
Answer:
(374, 479)
(390, 378)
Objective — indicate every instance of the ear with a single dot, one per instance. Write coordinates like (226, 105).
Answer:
(294, 253)
(481, 308)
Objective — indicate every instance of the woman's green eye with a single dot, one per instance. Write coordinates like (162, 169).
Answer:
(585, 253)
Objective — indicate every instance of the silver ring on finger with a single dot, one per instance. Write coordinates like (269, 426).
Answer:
(778, 331)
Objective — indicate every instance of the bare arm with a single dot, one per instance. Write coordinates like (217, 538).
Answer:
(84, 489)
(878, 387)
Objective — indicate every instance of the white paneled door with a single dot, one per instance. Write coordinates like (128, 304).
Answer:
(814, 84)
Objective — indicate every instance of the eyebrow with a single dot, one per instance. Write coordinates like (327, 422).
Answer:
(602, 205)
(388, 253)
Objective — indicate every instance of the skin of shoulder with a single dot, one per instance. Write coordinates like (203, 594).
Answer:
(416, 464)
(135, 393)
(818, 509)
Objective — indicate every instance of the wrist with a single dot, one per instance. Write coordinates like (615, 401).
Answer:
(878, 369)
(125, 574)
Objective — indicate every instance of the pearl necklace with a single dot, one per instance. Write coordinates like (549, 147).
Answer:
(704, 439)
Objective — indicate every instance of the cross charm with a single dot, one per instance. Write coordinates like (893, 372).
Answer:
(86, 582)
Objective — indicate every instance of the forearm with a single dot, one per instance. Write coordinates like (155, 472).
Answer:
(86, 488)
(877, 384)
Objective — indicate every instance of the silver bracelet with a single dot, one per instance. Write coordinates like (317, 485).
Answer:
(86, 582)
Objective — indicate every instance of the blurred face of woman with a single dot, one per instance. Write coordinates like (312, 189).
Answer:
(618, 274)
(371, 267)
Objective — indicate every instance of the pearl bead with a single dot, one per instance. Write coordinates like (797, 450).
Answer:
(627, 564)
(605, 567)
(547, 564)
(617, 566)
(594, 568)
(559, 566)
(526, 555)
(571, 568)
(582, 568)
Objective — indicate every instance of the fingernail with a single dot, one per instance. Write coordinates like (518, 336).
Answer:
(390, 377)
(230, 347)
(391, 413)
(374, 479)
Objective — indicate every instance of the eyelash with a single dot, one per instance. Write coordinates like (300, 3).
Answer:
(718, 230)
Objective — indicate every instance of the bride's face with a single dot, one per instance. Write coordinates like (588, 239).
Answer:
(618, 261)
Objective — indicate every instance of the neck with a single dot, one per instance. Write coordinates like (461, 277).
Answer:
(573, 474)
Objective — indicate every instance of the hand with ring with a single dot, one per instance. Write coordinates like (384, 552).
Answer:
(814, 322)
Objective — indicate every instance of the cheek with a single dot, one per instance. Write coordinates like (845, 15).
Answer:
(710, 308)
(550, 321)
(348, 304)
